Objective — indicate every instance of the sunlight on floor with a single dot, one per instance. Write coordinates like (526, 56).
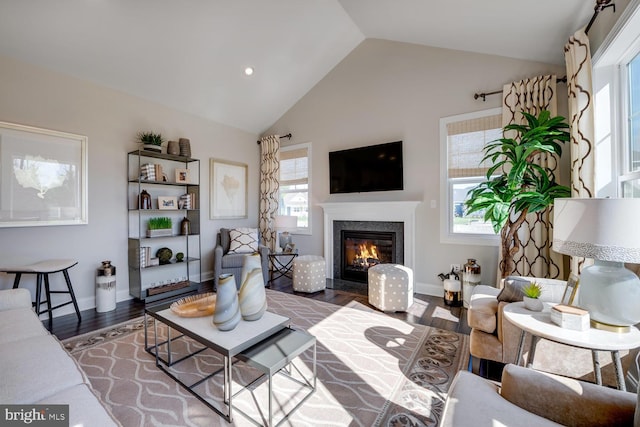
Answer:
(443, 313)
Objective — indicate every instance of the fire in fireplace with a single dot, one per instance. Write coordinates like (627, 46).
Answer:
(364, 249)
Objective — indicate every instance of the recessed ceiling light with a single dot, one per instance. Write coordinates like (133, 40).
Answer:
(248, 71)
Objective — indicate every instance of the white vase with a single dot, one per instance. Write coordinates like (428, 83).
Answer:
(227, 314)
(250, 262)
(533, 304)
(252, 296)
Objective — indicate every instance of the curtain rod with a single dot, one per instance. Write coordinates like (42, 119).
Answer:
(484, 95)
(600, 6)
(283, 136)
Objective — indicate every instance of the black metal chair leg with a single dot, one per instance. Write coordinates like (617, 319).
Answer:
(48, 293)
(73, 295)
(38, 293)
(16, 281)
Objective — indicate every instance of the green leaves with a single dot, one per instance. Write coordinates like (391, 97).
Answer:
(522, 185)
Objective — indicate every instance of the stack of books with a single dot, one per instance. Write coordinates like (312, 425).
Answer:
(148, 172)
(187, 201)
(145, 256)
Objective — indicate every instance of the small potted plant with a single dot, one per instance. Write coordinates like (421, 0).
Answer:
(532, 293)
(150, 141)
(159, 226)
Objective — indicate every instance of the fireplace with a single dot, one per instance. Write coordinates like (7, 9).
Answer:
(359, 245)
(364, 249)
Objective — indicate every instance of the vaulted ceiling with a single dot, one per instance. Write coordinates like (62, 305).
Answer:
(190, 54)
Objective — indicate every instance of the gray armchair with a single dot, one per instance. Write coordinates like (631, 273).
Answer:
(225, 262)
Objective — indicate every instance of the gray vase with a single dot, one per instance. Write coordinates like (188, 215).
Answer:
(173, 148)
(227, 314)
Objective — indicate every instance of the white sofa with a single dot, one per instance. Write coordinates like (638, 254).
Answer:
(37, 370)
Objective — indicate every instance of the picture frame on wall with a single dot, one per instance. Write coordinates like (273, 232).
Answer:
(43, 177)
(167, 203)
(228, 186)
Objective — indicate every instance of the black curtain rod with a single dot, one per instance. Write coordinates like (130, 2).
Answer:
(283, 136)
(484, 95)
(600, 6)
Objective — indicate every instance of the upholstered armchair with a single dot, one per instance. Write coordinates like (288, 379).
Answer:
(494, 338)
(231, 247)
(527, 397)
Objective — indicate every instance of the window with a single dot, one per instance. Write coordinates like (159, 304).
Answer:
(295, 172)
(630, 178)
(463, 138)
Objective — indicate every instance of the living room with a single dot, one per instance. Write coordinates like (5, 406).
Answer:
(375, 92)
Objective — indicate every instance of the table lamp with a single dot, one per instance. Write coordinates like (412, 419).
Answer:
(284, 224)
(608, 231)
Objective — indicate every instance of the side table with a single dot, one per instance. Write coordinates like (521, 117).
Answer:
(539, 325)
(281, 265)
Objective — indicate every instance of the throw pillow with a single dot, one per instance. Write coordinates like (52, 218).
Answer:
(243, 240)
(512, 291)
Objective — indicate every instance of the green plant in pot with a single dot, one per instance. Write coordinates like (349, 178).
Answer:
(521, 187)
(150, 141)
(532, 293)
(159, 226)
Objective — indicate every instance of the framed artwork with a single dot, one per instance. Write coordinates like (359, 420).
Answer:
(228, 185)
(43, 177)
(183, 176)
(167, 202)
(571, 290)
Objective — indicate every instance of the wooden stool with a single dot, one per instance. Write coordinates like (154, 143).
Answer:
(42, 269)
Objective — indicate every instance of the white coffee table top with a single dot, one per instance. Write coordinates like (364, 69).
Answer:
(540, 325)
(230, 342)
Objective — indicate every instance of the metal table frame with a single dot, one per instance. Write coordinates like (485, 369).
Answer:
(282, 269)
(268, 325)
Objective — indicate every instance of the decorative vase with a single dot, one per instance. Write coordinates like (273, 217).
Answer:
(185, 147)
(252, 296)
(185, 227)
(532, 304)
(173, 148)
(227, 314)
(470, 279)
(250, 262)
(145, 200)
(164, 255)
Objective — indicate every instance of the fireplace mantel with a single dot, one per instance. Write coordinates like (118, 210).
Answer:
(401, 211)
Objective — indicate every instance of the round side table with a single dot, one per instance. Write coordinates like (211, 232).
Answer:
(539, 325)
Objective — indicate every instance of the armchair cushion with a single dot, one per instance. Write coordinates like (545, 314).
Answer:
(566, 401)
(243, 240)
(483, 308)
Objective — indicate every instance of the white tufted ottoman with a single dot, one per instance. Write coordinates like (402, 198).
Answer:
(390, 287)
(309, 273)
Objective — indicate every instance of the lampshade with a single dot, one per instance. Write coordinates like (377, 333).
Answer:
(606, 230)
(286, 222)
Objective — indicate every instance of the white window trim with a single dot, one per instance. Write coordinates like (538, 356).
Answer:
(620, 46)
(304, 230)
(446, 196)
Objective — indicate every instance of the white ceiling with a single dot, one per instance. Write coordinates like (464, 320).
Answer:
(190, 54)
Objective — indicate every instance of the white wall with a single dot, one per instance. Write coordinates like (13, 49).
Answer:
(387, 91)
(111, 120)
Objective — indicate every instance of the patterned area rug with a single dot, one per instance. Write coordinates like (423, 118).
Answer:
(372, 369)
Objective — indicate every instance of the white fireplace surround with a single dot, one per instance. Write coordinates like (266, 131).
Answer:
(401, 211)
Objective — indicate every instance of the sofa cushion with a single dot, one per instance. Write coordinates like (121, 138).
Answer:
(84, 407)
(243, 240)
(35, 368)
(483, 308)
(19, 324)
(512, 290)
(15, 298)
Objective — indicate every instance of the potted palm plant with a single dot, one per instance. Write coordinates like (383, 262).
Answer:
(521, 186)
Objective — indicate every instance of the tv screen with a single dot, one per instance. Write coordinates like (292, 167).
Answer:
(363, 169)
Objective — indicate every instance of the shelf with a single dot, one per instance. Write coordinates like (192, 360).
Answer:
(154, 155)
(163, 210)
(172, 183)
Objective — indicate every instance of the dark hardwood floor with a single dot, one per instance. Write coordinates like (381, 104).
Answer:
(426, 310)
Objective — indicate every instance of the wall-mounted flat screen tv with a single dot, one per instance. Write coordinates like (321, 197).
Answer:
(363, 169)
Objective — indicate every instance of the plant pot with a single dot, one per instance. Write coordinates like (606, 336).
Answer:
(532, 304)
(152, 147)
(160, 232)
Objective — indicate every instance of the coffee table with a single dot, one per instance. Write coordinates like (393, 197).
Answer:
(201, 329)
(539, 325)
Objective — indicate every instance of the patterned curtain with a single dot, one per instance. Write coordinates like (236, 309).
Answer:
(535, 257)
(581, 120)
(269, 186)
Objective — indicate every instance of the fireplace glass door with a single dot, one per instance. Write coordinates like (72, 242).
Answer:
(364, 249)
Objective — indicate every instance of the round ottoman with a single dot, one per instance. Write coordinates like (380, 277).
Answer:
(309, 273)
(390, 287)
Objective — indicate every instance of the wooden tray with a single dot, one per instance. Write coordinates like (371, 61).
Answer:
(195, 305)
